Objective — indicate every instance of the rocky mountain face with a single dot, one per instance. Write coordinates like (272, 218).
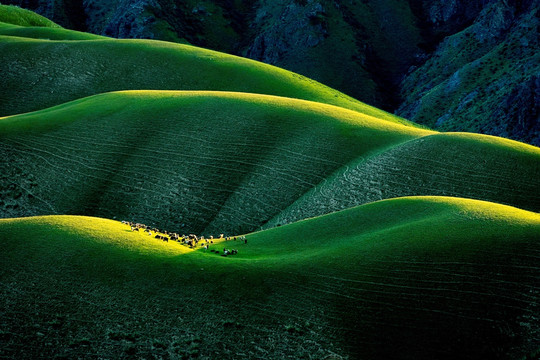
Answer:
(483, 78)
(456, 65)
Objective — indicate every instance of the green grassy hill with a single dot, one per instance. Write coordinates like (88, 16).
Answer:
(230, 162)
(199, 161)
(245, 146)
(409, 278)
(45, 73)
(38, 32)
(22, 17)
(212, 161)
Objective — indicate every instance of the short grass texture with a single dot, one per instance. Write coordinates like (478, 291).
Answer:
(22, 17)
(212, 162)
(185, 161)
(407, 278)
(245, 146)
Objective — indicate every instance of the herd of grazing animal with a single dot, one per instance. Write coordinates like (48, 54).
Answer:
(190, 240)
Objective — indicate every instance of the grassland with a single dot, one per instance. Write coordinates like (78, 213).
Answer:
(192, 161)
(71, 69)
(445, 164)
(21, 17)
(434, 275)
(229, 162)
(38, 32)
(245, 146)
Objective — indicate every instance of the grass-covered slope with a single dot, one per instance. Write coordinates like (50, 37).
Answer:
(193, 161)
(22, 17)
(39, 32)
(215, 161)
(446, 164)
(410, 278)
(44, 73)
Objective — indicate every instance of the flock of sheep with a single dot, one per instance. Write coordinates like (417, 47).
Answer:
(190, 240)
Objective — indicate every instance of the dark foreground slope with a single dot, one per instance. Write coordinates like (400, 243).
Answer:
(411, 278)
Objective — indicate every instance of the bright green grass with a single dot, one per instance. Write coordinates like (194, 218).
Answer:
(410, 278)
(22, 17)
(47, 33)
(213, 161)
(44, 73)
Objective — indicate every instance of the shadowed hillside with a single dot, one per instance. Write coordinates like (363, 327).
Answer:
(215, 162)
(411, 278)
(186, 160)
(446, 164)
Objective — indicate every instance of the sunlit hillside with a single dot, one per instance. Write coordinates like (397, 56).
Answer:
(332, 229)
(49, 72)
(415, 274)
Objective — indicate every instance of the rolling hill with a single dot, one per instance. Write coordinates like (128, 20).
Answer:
(21, 17)
(45, 72)
(460, 65)
(445, 164)
(183, 160)
(343, 258)
(408, 278)
(230, 162)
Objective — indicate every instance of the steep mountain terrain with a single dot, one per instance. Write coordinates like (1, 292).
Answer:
(456, 65)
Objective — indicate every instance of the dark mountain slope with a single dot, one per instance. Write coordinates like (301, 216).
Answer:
(485, 78)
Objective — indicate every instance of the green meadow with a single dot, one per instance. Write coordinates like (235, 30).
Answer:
(368, 236)
(364, 282)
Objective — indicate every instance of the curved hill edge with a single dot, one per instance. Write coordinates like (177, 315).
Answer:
(195, 158)
(427, 273)
(33, 120)
(422, 219)
(235, 73)
(464, 143)
(18, 16)
(45, 33)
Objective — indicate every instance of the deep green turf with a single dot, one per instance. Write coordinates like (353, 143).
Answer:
(212, 161)
(15, 15)
(44, 73)
(410, 278)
